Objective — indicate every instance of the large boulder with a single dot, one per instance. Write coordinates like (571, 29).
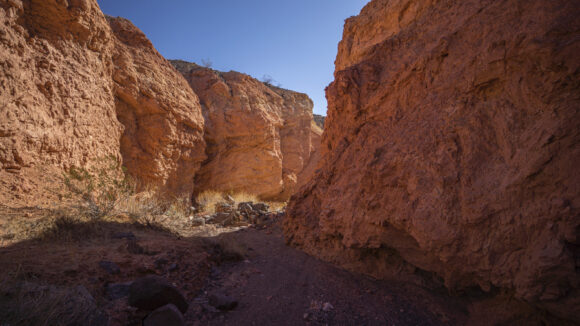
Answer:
(152, 292)
(451, 149)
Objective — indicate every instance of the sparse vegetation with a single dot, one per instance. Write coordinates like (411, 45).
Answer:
(98, 191)
(208, 200)
(227, 248)
(25, 303)
(206, 63)
(269, 81)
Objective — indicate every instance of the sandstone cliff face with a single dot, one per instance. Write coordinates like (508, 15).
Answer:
(60, 106)
(451, 146)
(162, 143)
(56, 104)
(259, 137)
(319, 120)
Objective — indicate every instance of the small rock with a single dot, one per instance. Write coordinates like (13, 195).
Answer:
(327, 306)
(219, 218)
(222, 301)
(261, 207)
(110, 267)
(116, 291)
(152, 292)
(172, 267)
(167, 315)
(197, 221)
(223, 208)
(245, 207)
(229, 199)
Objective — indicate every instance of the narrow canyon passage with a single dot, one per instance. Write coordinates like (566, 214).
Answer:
(136, 190)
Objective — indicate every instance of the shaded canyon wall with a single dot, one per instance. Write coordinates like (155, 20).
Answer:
(451, 149)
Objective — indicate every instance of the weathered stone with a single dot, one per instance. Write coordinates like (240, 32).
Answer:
(260, 207)
(167, 315)
(223, 208)
(116, 291)
(110, 267)
(222, 301)
(218, 218)
(152, 292)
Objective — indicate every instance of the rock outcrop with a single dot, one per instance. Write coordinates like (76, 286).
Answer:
(74, 92)
(162, 143)
(259, 137)
(57, 105)
(451, 149)
(319, 120)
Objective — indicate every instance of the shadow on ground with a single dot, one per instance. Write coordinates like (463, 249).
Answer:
(61, 276)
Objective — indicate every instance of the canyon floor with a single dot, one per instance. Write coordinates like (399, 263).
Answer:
(272, 283)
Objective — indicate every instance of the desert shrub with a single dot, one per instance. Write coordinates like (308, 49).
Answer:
(68, 227)
(227, 248)
(26, 303)
(275, 206)
(208, 199)
(240, 197)
(99, 190)
(206, 63)
(142, 204)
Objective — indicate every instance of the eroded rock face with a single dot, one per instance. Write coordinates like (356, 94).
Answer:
(259, 137)
(319, 120)
(74, 92)
(451, 146)
(57, 107)
(162, 143)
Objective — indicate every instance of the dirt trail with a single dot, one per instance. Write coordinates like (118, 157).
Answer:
(279, 285)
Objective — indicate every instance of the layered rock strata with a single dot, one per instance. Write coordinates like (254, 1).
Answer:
(259, 137)
(451, 149)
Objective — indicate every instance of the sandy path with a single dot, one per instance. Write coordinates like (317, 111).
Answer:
(279, 285)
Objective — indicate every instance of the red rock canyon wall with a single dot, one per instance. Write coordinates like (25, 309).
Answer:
(451, 146)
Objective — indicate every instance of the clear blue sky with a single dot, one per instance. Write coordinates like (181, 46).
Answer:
(294, 41)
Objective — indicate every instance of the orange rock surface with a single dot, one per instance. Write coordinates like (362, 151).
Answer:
(162, 143)
(73, 91)
(258, 136)
(451, 149)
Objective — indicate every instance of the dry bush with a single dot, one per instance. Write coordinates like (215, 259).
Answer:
(23, 303)
(208, 199)
(141, 204)
(98, 190)
(226, 248)
(73, 228)
(276, 206)
(179, 208)
(240, 197)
